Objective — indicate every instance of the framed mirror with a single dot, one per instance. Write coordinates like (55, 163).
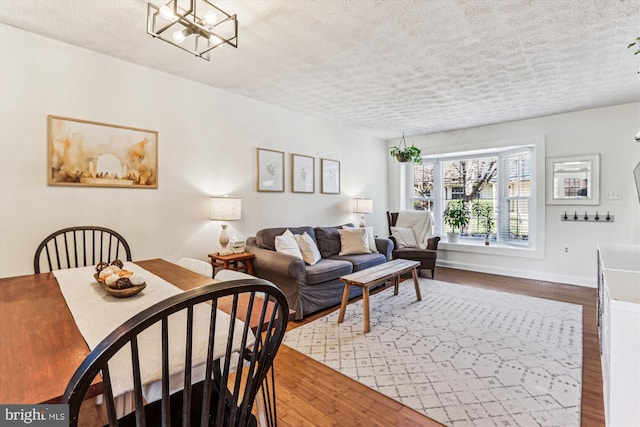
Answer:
(573, 180)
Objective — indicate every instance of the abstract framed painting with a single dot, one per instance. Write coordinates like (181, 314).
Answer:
(270, 170)
(302, 174)
(330, 174)
(93, 154)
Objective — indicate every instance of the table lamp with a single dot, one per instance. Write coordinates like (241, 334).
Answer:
(362, 206)
(225, 208)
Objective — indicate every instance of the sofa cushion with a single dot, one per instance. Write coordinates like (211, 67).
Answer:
(405, 237)
(370, 236)
(327, 269)
(266, 237)
(287, 244)
(362, 261)
(308, 247)
(328, 240)
(353, 241)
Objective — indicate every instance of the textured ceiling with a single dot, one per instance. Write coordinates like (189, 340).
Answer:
(418, 66)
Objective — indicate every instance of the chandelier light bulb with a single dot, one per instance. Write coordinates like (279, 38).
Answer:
(167, 13)
(215, 39)
(210, 17)
(179, 36)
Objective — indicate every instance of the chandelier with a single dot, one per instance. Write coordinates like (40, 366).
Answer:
(196, 26)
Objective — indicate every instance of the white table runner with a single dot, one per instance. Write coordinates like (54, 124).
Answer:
(97, 314)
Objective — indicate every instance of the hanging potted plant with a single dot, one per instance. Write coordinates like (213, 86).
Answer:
(456, 215)
(403, 154)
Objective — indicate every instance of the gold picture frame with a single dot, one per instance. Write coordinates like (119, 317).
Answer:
(85, 153)
(302, 174)
(270, 170)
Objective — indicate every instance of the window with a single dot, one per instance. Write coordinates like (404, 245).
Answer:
(423, 192)
(457, 193)
(494, 186)
(514, 223)
(472, 180)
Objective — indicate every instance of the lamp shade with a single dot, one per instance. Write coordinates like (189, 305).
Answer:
(362, 205)
(226, 208)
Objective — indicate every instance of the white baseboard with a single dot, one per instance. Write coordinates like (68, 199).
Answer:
(525, 274)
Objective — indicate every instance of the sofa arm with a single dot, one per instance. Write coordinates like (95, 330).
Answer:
(385, 247)
(285, 271)
(274, 264)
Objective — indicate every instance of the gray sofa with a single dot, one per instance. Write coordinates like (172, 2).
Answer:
(310, 288)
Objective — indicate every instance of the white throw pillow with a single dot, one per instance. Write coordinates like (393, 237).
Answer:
(308, 247)
(353, 241)
(421, 222)
(370, 237)
(286, 244)
(405, 238)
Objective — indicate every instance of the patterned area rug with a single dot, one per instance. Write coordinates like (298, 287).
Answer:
(463, 356)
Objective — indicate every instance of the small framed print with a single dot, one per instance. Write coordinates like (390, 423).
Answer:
(270, 170)
(330, 174)
(302, 174)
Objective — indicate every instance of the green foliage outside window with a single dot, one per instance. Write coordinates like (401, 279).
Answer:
(484, 215)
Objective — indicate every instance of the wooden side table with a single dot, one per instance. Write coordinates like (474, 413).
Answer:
(237, 262)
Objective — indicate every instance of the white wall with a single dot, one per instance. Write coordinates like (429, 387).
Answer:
(207, 142)
(207, 146)
(608, 131)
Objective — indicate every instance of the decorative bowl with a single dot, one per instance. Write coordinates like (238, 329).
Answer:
(121, 293)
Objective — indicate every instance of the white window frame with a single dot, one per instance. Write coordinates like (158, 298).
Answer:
(410, 181)
(503, 188)
(535, 246)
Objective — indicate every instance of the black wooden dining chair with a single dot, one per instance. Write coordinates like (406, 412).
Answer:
(220, 399)
(80, 246)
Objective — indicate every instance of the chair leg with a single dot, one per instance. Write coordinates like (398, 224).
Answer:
(433, 272)
(260, 407)
(266, 402)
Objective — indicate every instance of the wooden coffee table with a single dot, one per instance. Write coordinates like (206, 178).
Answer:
(391, 270)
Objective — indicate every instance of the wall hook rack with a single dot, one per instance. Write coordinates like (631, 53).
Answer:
(585, 217)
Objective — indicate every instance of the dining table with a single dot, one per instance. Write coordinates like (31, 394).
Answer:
(40, 344)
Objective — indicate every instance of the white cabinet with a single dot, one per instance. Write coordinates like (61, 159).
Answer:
(619, 329)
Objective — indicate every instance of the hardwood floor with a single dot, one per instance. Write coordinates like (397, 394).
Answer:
(311, 394)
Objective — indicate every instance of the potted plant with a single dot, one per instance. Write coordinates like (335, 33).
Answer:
(403, 154)
(484, 212)
(456, 215)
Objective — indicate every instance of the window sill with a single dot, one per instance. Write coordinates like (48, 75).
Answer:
(494, 248)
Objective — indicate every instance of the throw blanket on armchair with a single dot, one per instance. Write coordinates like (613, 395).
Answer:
(421, 222)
